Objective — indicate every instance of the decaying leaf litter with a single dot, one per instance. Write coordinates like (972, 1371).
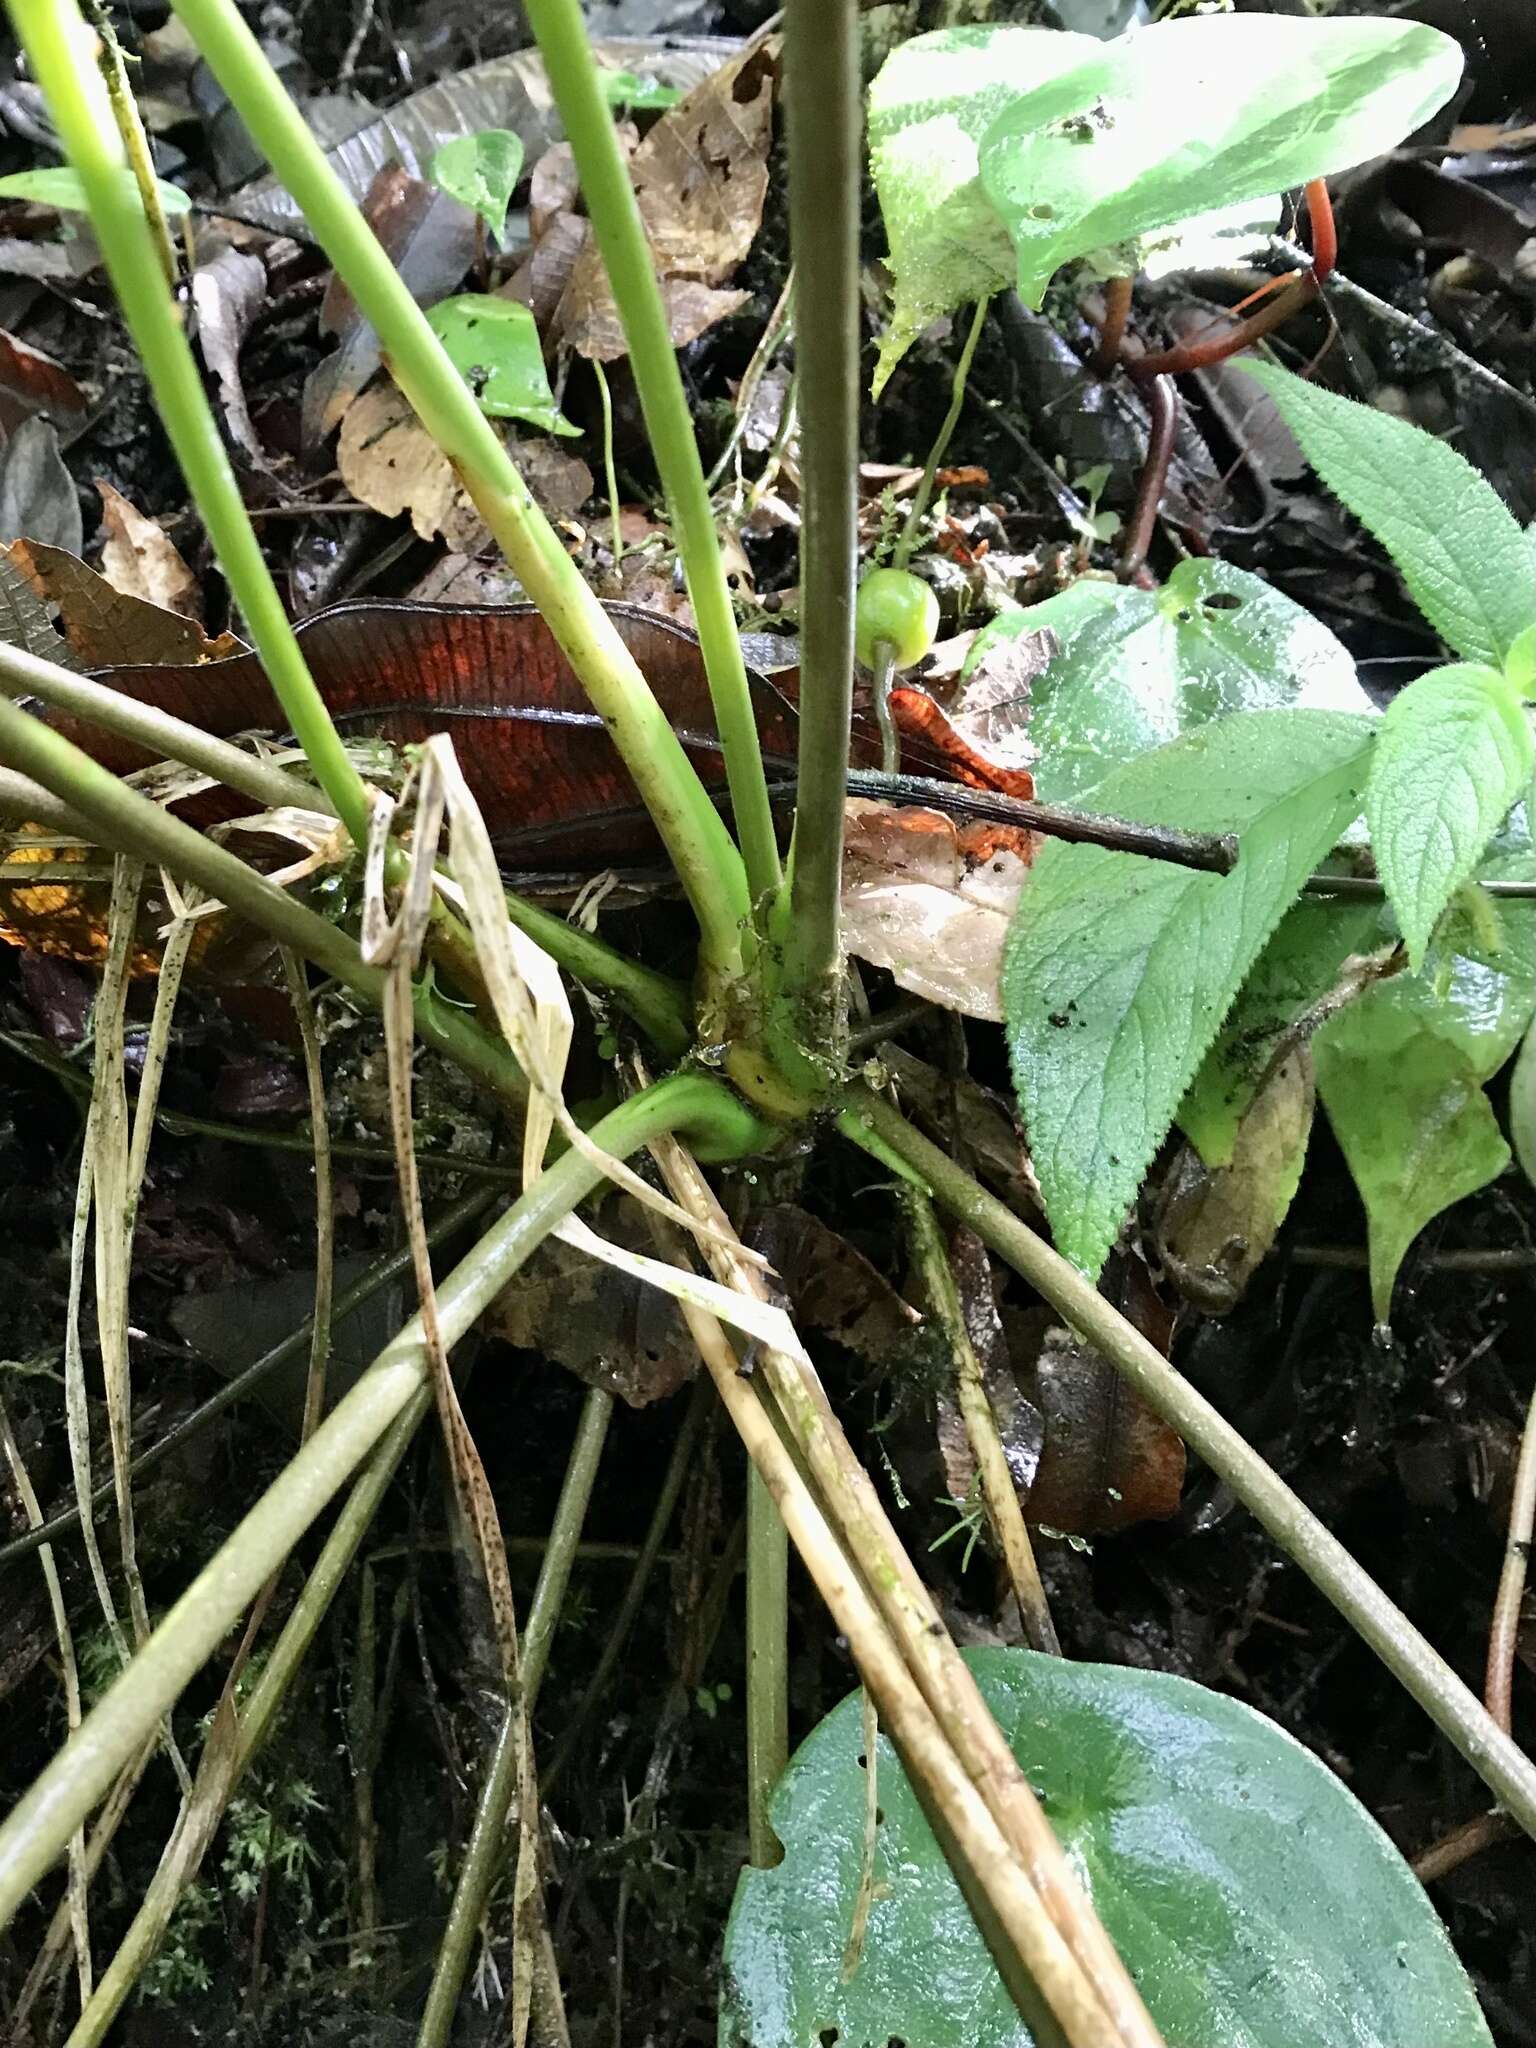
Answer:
(324, 1886)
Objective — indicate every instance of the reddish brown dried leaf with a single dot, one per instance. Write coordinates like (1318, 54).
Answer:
(102, 624)
(33, 382)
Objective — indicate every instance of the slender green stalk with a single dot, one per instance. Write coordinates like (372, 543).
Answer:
(767, 1665)
(40, 1824)
(58, 46)
(702, 851)
(907, 542)
(626, 253)
(822, 88)
(487, 1839)
(873, 1124)
(657, 1003)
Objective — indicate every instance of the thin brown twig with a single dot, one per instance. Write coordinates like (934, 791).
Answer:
(1163, 406)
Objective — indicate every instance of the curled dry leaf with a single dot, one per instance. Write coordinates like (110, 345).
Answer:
(103, 625)
(229, 288)
(32, 382)
(390, 461)
(37, 493)
(833, 1288)
(1020, 1426)
(931, 901)
(976, 1123)
(140, 559)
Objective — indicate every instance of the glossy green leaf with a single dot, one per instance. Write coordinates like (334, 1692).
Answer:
(1092, 160)
(481, 172)
(1461, 552)
(1156, 663)
(1118, 969)
(1454, 752)
(1401, 1071)
(60, 187)
(1256, 1902)
(493, 343)
(929, 106)
(1291, 982)
(640, 95)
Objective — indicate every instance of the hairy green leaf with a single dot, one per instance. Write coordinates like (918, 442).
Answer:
(59, 186)
(1401, 1071)
(494, 345)
(1454, 752)
(481, 172)
(929, 106)
(1460, 550)
(1152, 664)
(1119, 970)
(1256, 1902)
(1061, 614)
(1092, 159)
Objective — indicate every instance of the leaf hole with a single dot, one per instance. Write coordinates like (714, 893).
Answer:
(863, 1761)
(1041, 212)
(1222, 601)
(879, 1816)
(829, 2037)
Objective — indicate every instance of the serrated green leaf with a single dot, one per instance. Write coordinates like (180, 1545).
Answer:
(481, 172)
(59, 186)
(1119, 970)
(1090, 159)
(1454, 752)
(1256, 1902)
(1459, 549)
(929, 106)
(1296, 972)
(1153, 664)
(1401, 1071)
(493, 343)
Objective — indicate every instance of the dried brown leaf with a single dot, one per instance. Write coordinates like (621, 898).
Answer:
(32, 382)
(141, 560)
(37, 493)
(228, 290)
(103, 625)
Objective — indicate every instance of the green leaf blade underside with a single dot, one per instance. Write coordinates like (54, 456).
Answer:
(1256, 1902)
(1150, 665)
(1119, 970)
(494, 345)
(59, 186)
(1462, 553)
(1401, 1071)
(1454, 752)
(929, 106)
(481, 172)
(1091, 160)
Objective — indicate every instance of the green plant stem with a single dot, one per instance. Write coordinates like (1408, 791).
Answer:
(701, 848)
(658, 1004)
(822, 88)
(626, 252)
(278, 1671)
(873, 1124)
(245, 1383)
(487, 1839)
(42, 1821)
(125, 820)
(58, 47)
(907, 542)
(767, 1665)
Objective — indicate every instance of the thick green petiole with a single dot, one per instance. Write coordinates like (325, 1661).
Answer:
(626, 252)
(60, 50)
(702, 851)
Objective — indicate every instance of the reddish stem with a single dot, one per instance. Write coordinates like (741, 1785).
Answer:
(1163, 405)
(1325, 234)
(1216, 347)
(1117, 310)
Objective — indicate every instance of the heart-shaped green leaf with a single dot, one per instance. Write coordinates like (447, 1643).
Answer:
(929, 106)
(481, 172)
(1255, 1901)
(493, 343)
(1467, 564)
(1149, 665)
(1096, 157)
(1119, 969)
(1454, 752)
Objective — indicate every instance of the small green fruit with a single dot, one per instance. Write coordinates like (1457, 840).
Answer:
(897, 607)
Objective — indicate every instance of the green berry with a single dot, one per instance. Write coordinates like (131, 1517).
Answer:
(897, 607)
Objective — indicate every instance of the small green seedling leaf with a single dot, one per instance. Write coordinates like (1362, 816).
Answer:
(1454, 753)
(481, 172)
(1119, 970)
(643, 95)
(1255, 1901)
(1149, 665)
(1094, 158)
(494, 345)
(60, 187)
(1461, 552)
(929, 106)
